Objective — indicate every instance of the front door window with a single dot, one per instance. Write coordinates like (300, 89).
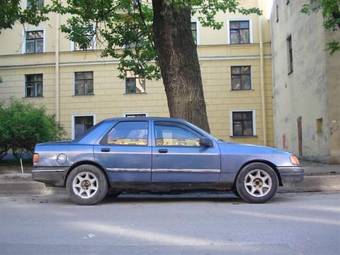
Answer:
(173, 135)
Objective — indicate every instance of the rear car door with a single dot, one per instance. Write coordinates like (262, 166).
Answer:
(177, 155)
(125, 152)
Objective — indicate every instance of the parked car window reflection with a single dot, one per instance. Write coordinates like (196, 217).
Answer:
(129, 133)
(173, 135)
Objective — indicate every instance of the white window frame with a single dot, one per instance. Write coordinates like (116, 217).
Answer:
(81, 115)
(231, 122)
(132, 113)
(197, 30)
(23, 48)
(73, 46)
(251, 39)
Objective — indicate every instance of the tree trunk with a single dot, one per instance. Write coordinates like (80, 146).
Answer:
(179, 63)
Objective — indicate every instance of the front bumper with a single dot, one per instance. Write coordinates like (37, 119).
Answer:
(54, 176)
(291, 174)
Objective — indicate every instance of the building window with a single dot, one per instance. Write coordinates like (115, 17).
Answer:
(277, 13)
(243, 123)
(131, 115)
(240, 78)
(90, 43)
(34, 41)
(290, 54)
(35, 3)
(239, 32)
(83, 83)
(90, 46)
(34, 85)
(134, 85)
(82, 124)
(194, 31)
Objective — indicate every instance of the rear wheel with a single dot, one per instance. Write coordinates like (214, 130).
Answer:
(257, 183)
(86, 185)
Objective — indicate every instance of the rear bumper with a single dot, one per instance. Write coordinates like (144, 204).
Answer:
(291, 174)
(54, 176)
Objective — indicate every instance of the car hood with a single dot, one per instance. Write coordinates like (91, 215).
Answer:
(250, 148)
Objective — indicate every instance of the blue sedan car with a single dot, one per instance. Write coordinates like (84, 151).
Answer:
(160, 155)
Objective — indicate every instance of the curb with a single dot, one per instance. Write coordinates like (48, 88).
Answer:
(23, 184)
(314, 183)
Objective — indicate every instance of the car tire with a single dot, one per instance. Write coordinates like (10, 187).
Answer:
(87, 185)
(257, 183)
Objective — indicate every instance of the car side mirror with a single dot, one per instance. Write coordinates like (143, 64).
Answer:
(206, 142)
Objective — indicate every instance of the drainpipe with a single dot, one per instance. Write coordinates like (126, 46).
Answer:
(57, 72)
(263, 99)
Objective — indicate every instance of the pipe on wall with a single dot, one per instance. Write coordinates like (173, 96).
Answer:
(57, 71)
(263, 97)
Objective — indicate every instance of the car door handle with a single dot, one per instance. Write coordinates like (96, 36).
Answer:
(163, 150)
(105, 149)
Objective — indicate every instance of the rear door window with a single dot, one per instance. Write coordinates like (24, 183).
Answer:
(129, 133)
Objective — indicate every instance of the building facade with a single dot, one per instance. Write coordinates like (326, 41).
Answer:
(40, 65)
(306, 83)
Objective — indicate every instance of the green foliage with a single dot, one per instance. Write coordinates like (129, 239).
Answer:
(331, 13)
(11, 12)
(122, 27)
(23, 125)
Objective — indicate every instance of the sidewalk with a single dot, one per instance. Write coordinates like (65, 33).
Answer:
(318, 178)
(316, 168)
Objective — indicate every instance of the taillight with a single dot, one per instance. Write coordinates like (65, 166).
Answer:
(35, 158)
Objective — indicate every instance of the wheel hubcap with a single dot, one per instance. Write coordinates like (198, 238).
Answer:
(258, 183)
(85, 185)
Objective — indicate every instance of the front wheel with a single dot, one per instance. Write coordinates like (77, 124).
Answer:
(87, 185)
(257, 183)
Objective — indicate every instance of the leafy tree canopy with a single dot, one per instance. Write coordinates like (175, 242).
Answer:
(122, 27)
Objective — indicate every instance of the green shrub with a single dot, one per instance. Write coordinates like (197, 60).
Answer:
(22, 125)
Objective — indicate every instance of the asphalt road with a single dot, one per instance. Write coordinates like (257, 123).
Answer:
(305, 223)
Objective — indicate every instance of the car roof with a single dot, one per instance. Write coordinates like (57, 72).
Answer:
(144, 118)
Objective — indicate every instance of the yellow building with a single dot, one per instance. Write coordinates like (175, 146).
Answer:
(40, 65)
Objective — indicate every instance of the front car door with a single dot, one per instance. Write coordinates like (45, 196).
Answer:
(177, 155)
(125, 152)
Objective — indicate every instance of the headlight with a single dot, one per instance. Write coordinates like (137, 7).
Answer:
(294, 160)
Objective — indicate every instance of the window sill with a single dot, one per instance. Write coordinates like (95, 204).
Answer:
(240, 44)
(87, 50)
(236, 90)
(243, 136)
(33, 53)
(89, 95)
(34, 97)
(144, 93)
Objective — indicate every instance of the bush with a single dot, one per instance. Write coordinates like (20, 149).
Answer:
(23, 125)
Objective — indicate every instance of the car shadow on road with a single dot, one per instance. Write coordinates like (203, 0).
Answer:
(171, 198)
(146, 198)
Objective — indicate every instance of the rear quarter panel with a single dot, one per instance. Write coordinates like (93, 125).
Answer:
(74, 152)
